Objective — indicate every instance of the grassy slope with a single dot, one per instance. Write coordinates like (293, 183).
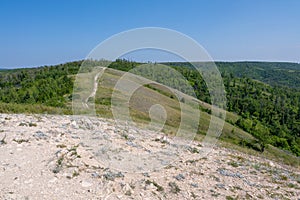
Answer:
(156, 93)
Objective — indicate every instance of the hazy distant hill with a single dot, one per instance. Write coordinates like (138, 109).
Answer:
(273, 73)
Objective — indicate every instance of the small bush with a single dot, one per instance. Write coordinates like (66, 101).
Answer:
(174, 187)
(158, 187)
(233, 164)
(20, 141)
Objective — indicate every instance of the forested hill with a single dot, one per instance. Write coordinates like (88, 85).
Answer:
(47, 85)
(273, 73)
(270, 112)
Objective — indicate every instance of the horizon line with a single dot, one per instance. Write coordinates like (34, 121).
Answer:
(152, 61)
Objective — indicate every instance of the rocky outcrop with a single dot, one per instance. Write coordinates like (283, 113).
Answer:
(63, 157)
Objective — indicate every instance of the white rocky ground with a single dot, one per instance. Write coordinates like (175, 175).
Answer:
(58, 157)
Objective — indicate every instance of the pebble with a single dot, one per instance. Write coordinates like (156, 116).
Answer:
(40, 135)
(95, 175)
(127, 189)
(86, 184)
(195, 185)
(225, 172)
(53, 180)
(220, 185)
(179, 177)
(111, 176)
(132, 144)
(74, 125)
(28, 181)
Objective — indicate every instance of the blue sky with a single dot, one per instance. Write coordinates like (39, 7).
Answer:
(35, 33)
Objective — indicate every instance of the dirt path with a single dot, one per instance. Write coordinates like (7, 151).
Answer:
(95, 87)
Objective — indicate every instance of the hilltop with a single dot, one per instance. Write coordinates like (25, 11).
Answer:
(261, 116)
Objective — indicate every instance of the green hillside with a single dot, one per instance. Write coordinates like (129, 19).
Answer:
(270, 113)
(261, 116)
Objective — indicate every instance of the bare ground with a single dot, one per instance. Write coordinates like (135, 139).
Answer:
(50, 157)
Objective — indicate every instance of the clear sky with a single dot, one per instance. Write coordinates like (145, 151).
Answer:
(41, 32)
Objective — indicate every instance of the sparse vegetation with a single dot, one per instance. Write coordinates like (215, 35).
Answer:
(61, 146)
(230, 198)
(32, 124)
(73, 151)
(174, 187)
(159, 188)
(2, 141)
(292, 185)
(60, 161)
(20, 141)
(75, 173)
(233, 164)
(193, 150)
